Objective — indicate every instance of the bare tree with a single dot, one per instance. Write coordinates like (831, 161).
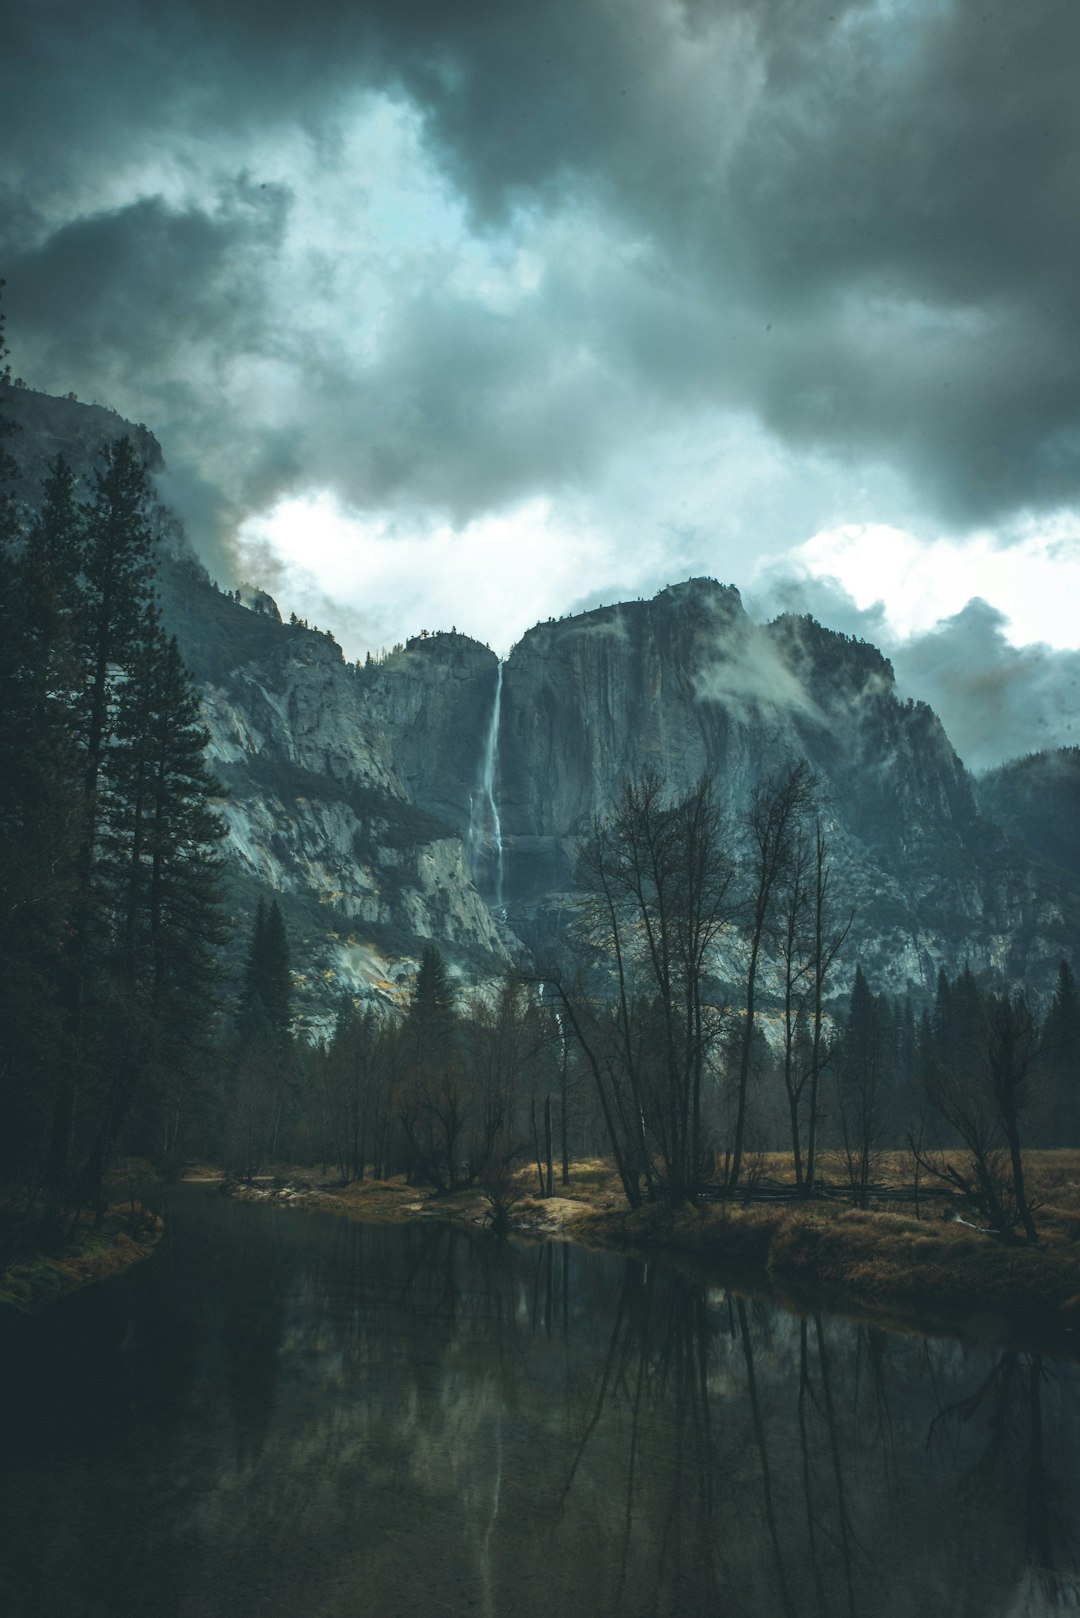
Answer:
(778, 808)
(657, 876)
(977, 1077)
(506, 1039)
(592, 1024)
(829, 936)
(795, 1063)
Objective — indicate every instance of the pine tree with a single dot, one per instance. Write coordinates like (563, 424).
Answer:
(53, 555)
(431, 1101)
(267, 981)
(108, 862)
(167, 900)
(249, 991)
(275, 985)
(1061, 1037)
(907, 1061)
(38, 835)
(432, 1018)
(156, 886)
(263, 1097)
(117, 565)
(114, 612)
(865, 1082)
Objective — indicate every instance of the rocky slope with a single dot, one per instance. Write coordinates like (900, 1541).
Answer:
(315, 810)
(439, 793)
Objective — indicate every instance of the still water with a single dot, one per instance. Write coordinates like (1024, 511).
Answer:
(290, 1414)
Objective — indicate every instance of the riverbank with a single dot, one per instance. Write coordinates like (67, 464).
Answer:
(885, 1267)
(125, 1236)
(931, 1272)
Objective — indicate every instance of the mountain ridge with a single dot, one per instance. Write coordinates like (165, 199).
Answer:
(436, 794)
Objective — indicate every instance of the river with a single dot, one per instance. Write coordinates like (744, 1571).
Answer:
(293, 1414)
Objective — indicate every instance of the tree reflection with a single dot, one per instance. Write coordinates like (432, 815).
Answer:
(1008, 1405)
(776, 1465)
(323, 1416)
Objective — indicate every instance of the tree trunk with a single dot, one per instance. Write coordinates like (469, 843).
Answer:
(547, 1145)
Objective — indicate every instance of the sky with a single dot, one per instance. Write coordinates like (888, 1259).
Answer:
(469, 315)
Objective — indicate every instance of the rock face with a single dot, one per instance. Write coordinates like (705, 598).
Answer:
(689, 684)
(314, 807)
(47, 427)
(438, 794)
(432, 705)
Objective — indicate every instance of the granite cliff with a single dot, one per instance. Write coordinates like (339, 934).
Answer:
(688, 683)
(438, 793)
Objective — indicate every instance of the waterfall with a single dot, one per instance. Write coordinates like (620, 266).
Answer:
(488, 784)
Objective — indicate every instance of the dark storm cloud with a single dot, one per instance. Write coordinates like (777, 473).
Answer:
(147, 280)
(467, 407)
(123, 301)
(857, 222)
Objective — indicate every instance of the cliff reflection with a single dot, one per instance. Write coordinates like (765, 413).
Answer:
(294, 1414)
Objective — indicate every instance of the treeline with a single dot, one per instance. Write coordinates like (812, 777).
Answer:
(463, 1090)
(452, 1092)
(994, 1077)
(632, 1047)
(109, 908)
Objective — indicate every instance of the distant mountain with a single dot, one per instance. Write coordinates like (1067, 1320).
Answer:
(1037, 801)
(438, 793)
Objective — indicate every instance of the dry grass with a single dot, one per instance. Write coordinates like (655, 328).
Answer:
(391, 1199)
(1052, 1176)
(929, 1271)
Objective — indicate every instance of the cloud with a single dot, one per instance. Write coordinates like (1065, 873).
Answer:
(373, 587)
(904, 584)
(752, 677)
(441, 260)
(996, 701)
(144, 307)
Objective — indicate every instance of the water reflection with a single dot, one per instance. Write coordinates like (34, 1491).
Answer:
(287, 1414)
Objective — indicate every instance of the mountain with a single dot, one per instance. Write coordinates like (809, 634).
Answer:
(689, 683)
(1037, 800)
(438, 793)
